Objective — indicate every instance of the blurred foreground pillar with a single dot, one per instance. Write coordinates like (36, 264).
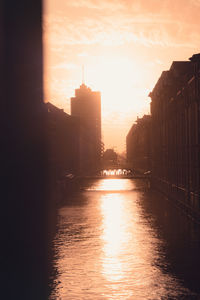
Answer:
(23, 152)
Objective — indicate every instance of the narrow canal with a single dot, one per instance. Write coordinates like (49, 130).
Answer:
(116, 239)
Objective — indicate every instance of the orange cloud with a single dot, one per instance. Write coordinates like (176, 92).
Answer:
(165, 23)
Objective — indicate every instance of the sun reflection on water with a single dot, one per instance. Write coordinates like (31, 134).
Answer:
(126, 245)
(113, 236)
(112, 185)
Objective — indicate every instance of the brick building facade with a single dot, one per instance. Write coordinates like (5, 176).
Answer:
(175, 109)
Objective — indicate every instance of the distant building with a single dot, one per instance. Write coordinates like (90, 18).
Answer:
(138, 145)
(63, 142)
(86, 105)
(109, 159)
(175, 109)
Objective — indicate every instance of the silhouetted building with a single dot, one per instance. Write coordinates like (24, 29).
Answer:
(86, 105)
(109, 159)
(63, 142)
(175, 110)
(138, 145)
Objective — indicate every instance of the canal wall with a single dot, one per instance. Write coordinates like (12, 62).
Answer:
(187, 201)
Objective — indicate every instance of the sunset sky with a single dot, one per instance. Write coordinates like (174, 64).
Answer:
(124, 46)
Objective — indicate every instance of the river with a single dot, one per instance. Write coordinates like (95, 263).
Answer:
(117, 239)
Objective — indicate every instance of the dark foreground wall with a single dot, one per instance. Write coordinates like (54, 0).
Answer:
(23, 173)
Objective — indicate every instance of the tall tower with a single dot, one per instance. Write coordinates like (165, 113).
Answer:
(87, 106)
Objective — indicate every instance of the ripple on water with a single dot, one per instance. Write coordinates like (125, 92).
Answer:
(110, 248)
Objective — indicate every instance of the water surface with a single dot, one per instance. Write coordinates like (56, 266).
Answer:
(117, 240)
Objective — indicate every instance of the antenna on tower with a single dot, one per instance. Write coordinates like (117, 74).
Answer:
(83, 75)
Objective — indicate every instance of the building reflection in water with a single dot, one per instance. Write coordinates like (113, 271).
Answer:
(106, 247)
